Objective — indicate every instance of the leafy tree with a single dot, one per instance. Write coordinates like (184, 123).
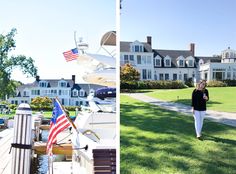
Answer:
(129, 74)
(8, 63)
(41, 103)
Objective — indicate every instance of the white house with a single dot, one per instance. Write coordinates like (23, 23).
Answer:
(158, 64)
(221, 69)
(67, 91)
(139, 55)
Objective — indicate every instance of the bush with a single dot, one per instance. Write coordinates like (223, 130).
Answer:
(230, 82)
(215, 83)
(189, 82)
(72, 108)
(13, 106)
(161, 84)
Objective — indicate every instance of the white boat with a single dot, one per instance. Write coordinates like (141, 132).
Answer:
(94, 143)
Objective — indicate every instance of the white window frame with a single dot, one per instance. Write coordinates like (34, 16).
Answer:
(165, 59)
(75, 93)
(155, 61)
(81, 93)
(190, 58)
(43, 84)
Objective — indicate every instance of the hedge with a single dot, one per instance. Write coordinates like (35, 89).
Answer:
(160, 84)
(215, 83)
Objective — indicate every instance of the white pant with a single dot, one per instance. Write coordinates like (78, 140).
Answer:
(199, 117)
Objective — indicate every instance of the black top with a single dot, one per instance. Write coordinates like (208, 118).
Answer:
(198, 102)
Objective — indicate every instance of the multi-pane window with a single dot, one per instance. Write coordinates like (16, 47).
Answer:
(190, 63)
(63, 84)
(174, 76)
(43, 84)
(181, 63)
(161, 76)
(131, 58)
(75, 93)
(167, 62)
(35, 92)
(126, 59)
(139, 59)
(136, 48)
(167, 77)
(81, 93)
(146, 74)
(157, 62)
(185, 77)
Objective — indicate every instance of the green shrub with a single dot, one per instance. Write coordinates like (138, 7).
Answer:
(189, 82)
(230, 82)
(160, 84)
(215, 83)
(72, 108)
(13, 106)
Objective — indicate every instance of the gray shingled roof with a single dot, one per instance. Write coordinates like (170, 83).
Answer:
(208, 59)
(125, 46)
(174, 54)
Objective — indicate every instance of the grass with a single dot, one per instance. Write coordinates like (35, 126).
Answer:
(154, 140)
(221, 99)
(47, 114)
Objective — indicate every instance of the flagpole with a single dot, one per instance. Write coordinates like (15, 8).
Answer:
(69, 119)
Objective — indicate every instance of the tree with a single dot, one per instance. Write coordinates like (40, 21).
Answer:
(8, 63)
(129, 74)
(41, 103)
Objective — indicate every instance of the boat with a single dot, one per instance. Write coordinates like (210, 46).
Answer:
(94, 141)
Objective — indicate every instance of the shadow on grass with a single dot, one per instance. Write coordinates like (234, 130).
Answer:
(162, 141)
(218, 139)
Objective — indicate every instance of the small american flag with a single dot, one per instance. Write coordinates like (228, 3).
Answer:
(71, 54)
(58, 123)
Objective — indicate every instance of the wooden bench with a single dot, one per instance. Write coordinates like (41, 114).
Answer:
(104, 161)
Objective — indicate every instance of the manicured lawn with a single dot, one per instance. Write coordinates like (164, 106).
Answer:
(154, 140)
(47, 114)
(221, 99)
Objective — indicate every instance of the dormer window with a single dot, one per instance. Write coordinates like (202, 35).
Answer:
(43, 84)
(81, 93)
(75, 93)
(181, 61)
(157, 61)
(62, 84)
(137, 46)
(190, 61)
(167, 61)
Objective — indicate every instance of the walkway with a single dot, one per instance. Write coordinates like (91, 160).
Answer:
(221, 117)
(6, 138)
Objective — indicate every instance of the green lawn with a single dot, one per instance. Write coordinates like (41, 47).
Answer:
(221, 99)
(154, 140)
(47, 114)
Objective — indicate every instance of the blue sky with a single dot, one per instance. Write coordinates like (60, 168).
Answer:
(45, 29)
(174, 24)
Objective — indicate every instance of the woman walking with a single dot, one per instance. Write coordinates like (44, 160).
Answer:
(200, 96)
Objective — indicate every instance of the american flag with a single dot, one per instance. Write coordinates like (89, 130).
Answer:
(58, 123)
(71, 54)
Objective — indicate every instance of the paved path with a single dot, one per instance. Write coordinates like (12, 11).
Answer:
(221, 117)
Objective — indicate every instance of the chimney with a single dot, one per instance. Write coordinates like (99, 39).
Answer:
(149, 40)
(37, 78)
(73, 78)
(192, 48)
